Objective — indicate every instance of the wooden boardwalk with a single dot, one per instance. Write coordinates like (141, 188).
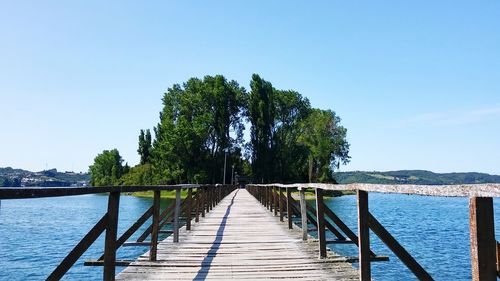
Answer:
(239, 239)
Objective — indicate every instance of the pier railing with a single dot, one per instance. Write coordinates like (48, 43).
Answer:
(199, 200)
(484, 249)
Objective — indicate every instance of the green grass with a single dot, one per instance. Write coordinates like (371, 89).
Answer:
(165, 194)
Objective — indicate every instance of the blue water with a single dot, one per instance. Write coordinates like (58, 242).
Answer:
(434, 230)
(36, 234)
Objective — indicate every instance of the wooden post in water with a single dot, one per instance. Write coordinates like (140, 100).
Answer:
(111, 233)
(177, 212)
(155, 224)
(320, 215)
(482, 239)
(289, 208)
(303, 213)
(363, 236)
(189, 208)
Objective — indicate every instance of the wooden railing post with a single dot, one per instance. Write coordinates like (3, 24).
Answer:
(482, 239)
(289, 208)
(303, 213)
(275, 200)
(320, 215)
(197, 206)
(111, 233)
(189, 199)
(363, 236)
(280, 202)
(155, 224)
(203, 199)
(177, 212)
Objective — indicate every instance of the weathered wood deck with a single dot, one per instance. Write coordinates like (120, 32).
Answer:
(239, 239)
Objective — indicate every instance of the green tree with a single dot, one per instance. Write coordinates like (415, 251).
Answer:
(194, 130)
(261, 113)
(145, 146)
(325, 140)
(107, 168)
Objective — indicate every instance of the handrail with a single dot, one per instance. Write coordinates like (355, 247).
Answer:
(38, 192)
(458, 190)
(484, 249)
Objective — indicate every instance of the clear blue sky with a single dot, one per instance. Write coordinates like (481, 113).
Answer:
(417, 83)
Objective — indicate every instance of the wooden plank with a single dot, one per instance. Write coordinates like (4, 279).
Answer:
(239, 240)
(320, 218)
(177, 212)
(397, 249)
(155, 226)
(101, 262)
(79, 249)
(482, 239)
(303, 214)
(110, 239)
(363, 237)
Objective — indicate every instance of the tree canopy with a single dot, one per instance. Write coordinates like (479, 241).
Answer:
(202, 125)
(107, 168)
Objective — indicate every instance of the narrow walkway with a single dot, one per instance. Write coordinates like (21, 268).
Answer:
(239, 239)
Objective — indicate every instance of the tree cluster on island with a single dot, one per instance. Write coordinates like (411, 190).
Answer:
(203, 122)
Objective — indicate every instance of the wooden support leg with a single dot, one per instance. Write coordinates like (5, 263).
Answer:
(303, 213)
(482, 239)
(111, 233)
(177, 212)
(320, 215)
(156, 222)
(289, 207)
(363, 237)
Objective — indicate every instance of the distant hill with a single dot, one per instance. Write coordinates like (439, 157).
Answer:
(414, 177)
(52, 177)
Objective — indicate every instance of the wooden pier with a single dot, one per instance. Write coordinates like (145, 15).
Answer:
(218, 232)
(239, 239)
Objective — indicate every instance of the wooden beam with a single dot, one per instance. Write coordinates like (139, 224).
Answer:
(397, 249)
(343, 227)
(101, 263)
(303, 214)
(363, 237)
(177, 212)
(111, 233)
(482, 239)
(155, 226)
(289, 208)
(79, 249)
(320, 218)
(132, 229)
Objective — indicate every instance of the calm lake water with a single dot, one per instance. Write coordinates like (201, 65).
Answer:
(36, 234)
